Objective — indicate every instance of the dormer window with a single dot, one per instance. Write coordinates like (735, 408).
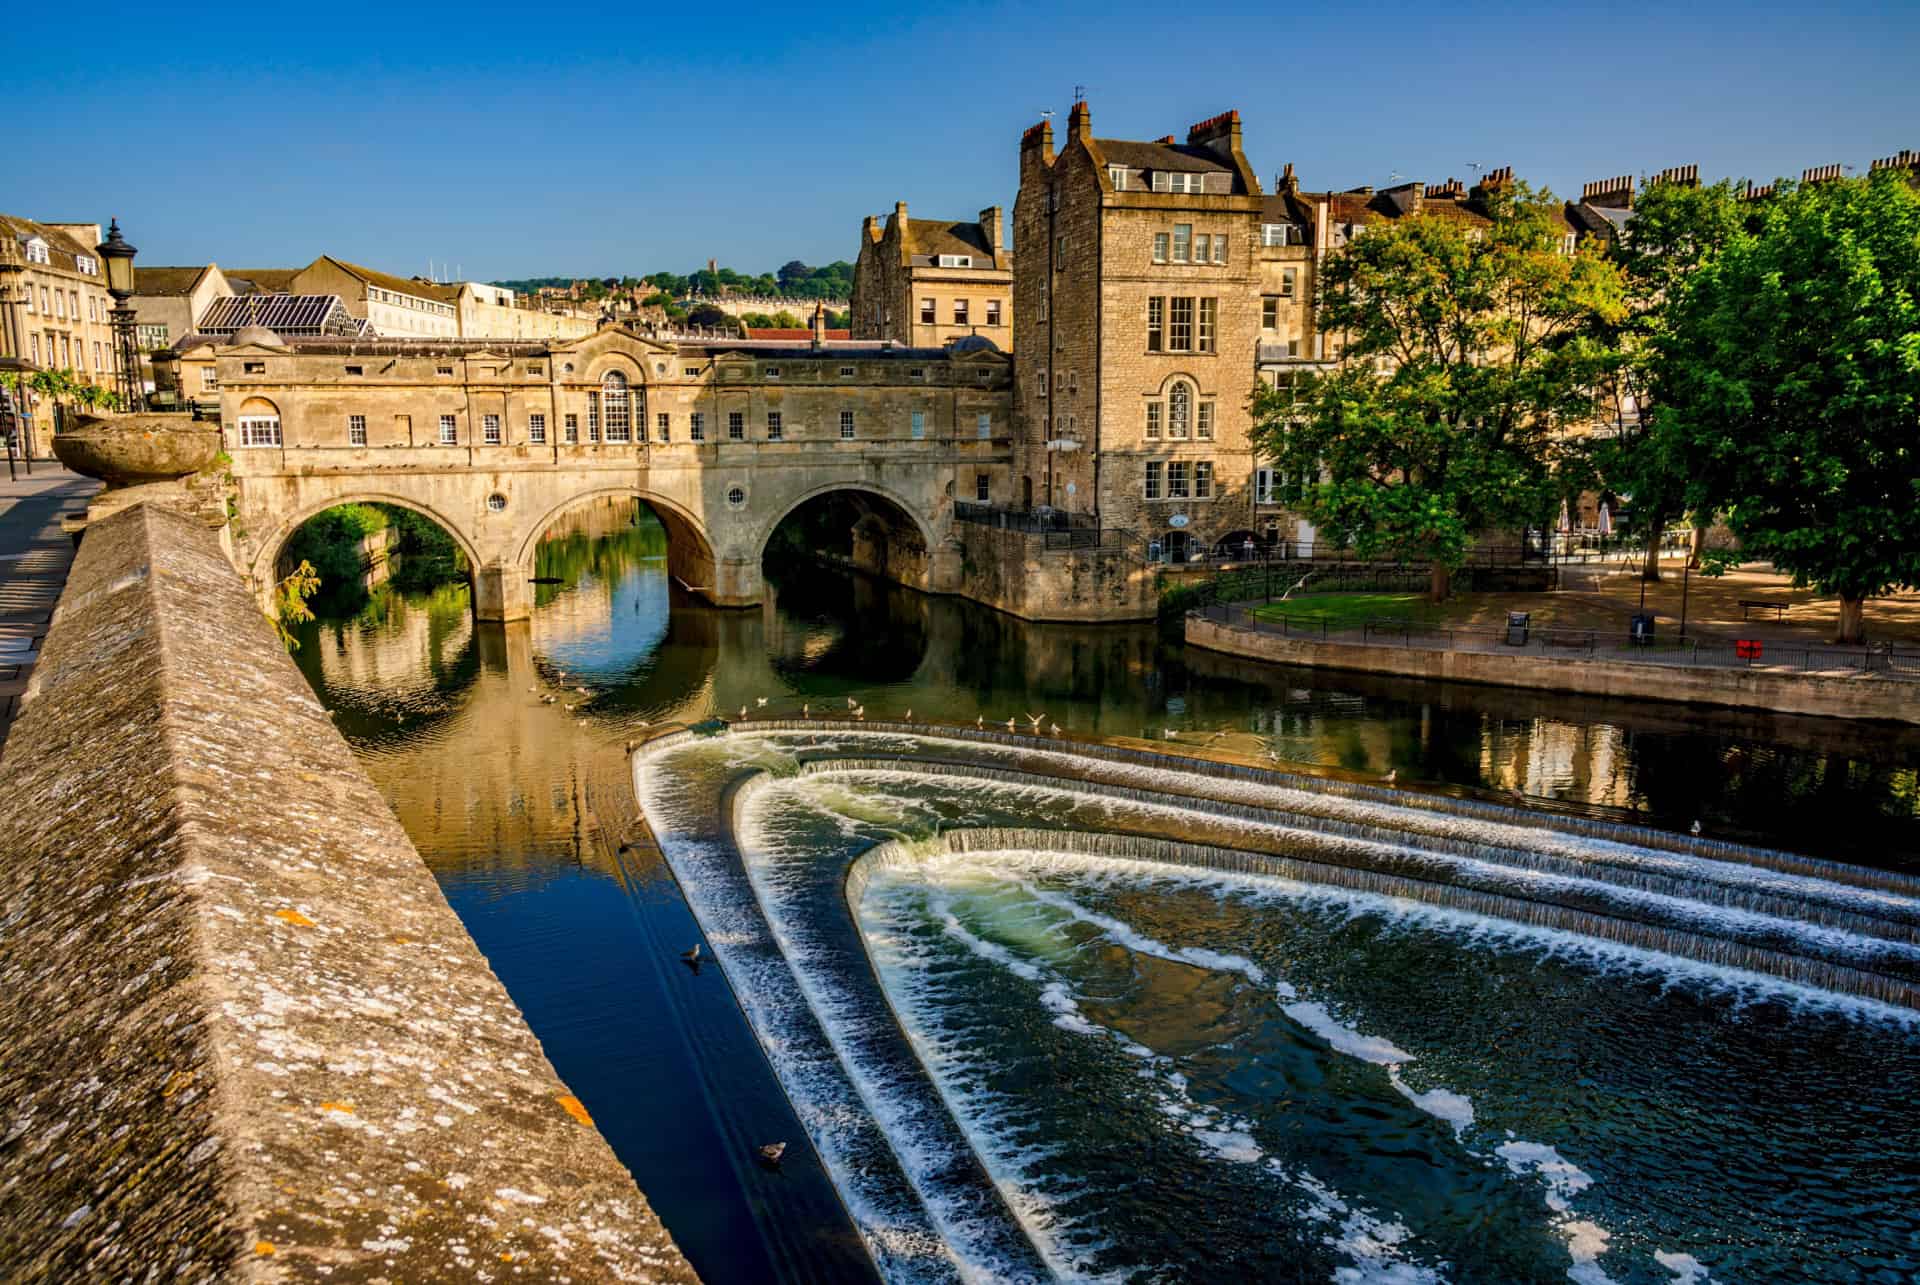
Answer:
(1167, 181)
(1280, 234)
(956, 261)
(86, 264)
(37, 251)
(1117, 175)
(770, 372)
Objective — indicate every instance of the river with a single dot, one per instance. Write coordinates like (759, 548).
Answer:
(488, 778)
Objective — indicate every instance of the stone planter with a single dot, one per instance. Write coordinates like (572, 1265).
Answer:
(127, 450)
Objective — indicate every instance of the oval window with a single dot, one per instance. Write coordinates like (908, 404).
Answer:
(496, 502)
(737, 498)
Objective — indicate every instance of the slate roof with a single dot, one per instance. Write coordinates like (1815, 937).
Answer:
(160, 282)
(61, 247)
(399, 285)
(263, 280)
(939, 236)
(1161, 156)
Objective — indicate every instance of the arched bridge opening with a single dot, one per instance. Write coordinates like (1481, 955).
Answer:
(363, 546)
(863, 529)
(682, 541)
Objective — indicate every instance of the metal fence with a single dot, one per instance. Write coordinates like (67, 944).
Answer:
(1578, 644)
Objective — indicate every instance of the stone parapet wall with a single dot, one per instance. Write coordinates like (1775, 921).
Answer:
(1864, 696)
(1014, 572)
(246, 1037)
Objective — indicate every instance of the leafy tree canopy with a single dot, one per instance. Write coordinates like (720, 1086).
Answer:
(1466, 350)
(1788, 376)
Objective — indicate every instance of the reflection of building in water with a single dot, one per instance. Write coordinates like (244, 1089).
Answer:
(1547, 758)
(397, 649)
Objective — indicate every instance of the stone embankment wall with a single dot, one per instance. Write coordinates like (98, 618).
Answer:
(245, 1036)
(1866, 696)
(1015, 572)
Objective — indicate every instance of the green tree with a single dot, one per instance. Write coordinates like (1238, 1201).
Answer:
(1788, 378)
(1466, 350)
(1675, 228)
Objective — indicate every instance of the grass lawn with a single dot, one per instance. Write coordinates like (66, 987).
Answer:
(1342, 610)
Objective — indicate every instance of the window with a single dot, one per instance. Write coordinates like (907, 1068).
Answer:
(1203, 422)
(663, 422)
(1167, 182)
(616, 403)
(1179, 410)
(1180, 325)
(1117, 175)
(1159, 247)
(1264, 490)
(1202, 248)
(96, 355)
(1220, 249)
(443, 370)
(536, 368)
(1059, 254)
(496, 503)
(357, 430)
(1043, 381)
(36, 348)
(44, 305)
(1154, 470)
(209, 379)
(1156, 323)
(736, 426)
(918, 374)
(1073, 383)
(928, 312)
(1154, 411)
(697, 426)
(982, 487)
(846, 372)
(573, 429)
(252, 367)
(959, 312)
(1182, 241)
(490, 429)
(770, 372)
(1269, 312)
(1177, 479)
(1208, 310)
(773, 426)
(955, 260)
(85, 263)
(919, 424)
(846, 426)
(993, 312)
(93, 313)
(537, 429)
(37, 252)
(736, 497)
(691, 372)
(29, 294)
(983, 425)
(60, 304)
(356, 370)
(260, 430)
(1279, 234)
(449, 431)
(593, 417)
(1203, 479)
(1287, 280)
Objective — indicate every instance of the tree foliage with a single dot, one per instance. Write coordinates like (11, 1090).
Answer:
(1467, 348)
(1788, 379)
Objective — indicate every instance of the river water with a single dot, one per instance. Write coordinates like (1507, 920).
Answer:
(1162, 1075)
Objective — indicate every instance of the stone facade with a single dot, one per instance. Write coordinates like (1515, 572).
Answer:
(392, 306)
(1139, 280)
(54, 310)
(723, 440)
(927, 282)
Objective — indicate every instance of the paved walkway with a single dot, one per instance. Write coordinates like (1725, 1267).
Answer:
(34, 556)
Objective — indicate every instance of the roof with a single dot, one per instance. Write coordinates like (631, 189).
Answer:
(159, 282)
(61, 247)
(263, 280)
(940, 236)
(282, 313)
(399, 285)
(1161, 156)
(792, 332)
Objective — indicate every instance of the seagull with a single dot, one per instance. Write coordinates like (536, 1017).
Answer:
(907, 717)
(1301, 583)
(1169, 733)
(583, 691)
(1393, 774)
(743, 711)
(759, 700)
(692, 956)
(979, 720)
(852, 703)
(806, 711)
(569, 709)
(1011, 723)
(1036, 720)
(1696, 827)
(1055, 729)
(770, 1153)
(860, 712)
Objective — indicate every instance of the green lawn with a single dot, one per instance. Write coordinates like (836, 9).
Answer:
(1343, 610)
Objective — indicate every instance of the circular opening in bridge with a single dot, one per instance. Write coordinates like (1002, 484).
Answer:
(497, 503)
(737, 498)
(363, 553)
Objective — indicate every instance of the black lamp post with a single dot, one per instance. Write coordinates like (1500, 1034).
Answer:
(119, 257)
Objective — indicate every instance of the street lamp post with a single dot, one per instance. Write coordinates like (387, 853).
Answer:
(119, 257)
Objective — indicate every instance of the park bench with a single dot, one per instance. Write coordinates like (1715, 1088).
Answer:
(1779, 609)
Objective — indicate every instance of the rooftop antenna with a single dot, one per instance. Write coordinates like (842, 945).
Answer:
(1046, 113)
(1079, 93)
(1476, 166)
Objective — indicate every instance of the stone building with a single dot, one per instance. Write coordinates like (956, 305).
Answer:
(926, 282)
(390, 305)
(54, 313)
(171, 300)
(1139, 289)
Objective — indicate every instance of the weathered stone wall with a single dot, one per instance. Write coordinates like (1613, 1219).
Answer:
(246, 1037)
(1835, 696)
(1017, 573)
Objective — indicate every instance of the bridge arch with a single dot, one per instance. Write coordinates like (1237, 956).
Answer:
(267, 558)
(889, 538)
(690, 556)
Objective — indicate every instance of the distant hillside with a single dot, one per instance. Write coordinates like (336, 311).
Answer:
(794, 279)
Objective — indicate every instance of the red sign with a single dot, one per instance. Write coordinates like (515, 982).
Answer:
(1747, 648)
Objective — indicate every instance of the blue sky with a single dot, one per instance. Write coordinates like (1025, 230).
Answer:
(520, 140)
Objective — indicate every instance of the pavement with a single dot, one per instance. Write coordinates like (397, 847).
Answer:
(34, 557)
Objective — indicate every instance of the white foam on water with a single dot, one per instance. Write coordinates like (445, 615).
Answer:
(1686, 1269)
(1443, 1104)
(1564, 1179)
(1343, 1038)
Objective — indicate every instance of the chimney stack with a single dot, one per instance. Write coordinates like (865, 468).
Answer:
(993, 224)
(1612, 193)
(1684, 175)
(1822, 174)
(1287, 182)
(1036, 145)
(1079, 121)
(819, 325)
(1218, 134)
(1908, 160)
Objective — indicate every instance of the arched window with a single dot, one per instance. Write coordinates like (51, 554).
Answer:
(259, 423)
(1179, 410)
(616, 407)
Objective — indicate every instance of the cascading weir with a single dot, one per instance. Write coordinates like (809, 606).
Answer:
(799, 818)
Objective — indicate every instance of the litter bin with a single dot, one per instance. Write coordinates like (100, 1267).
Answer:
(1517, 628)
(1640, 630)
